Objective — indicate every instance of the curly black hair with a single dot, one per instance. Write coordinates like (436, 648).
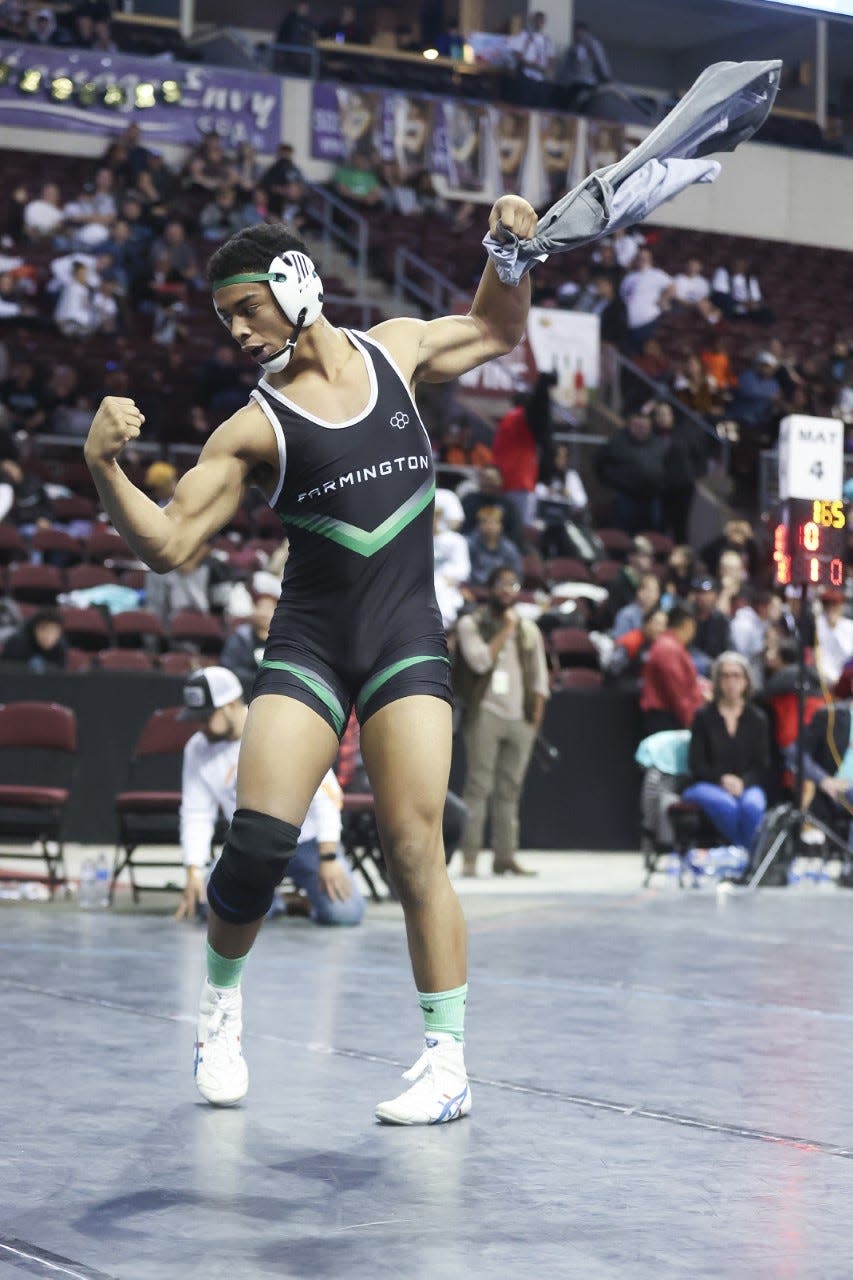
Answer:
(253, 249)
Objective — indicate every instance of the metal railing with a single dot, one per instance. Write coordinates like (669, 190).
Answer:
(340, 223)
(414, 280)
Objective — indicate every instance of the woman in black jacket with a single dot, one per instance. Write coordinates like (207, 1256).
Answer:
(730, 754)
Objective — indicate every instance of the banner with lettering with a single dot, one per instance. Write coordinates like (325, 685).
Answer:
(173, 102)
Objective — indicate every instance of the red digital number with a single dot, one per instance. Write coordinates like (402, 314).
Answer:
(814, 569)
(810, 536)
(836, 572)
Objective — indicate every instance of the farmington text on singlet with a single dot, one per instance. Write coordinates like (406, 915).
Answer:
(415, 462)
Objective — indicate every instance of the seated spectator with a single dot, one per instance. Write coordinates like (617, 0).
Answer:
(161, 481)
(737, 293)
(222, 384)
(697, 388)
(653, 361)
(623, 588)
(563, 483)
(583, 67)
(358, 183)
(345, 28)
(75, 313)
(284, 184)
(208, 168)
(737, 536)
(14, 20)
(90, 216)
(22, 394)
(42, 27)
(632, 464)
(671, 692)
(489, 548)
(693, 291)
(44, 217)
(646, 597)
(451, 556)
(713, 632)
(157, 186)
(184, 588)
(137, 156)
(489, 493)
(174, 248)
(679, 576)
(828, 760)
(460, 448)
(756, 608)
(834, 635)
(626, 659)
(39, 644)
(756, 396)
(246, 169)
(603, 300)
(730, 755)
(717, 363)
(221, 216)
(647, 292)
(243, 651)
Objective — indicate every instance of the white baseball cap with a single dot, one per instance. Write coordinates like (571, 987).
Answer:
(207, 690)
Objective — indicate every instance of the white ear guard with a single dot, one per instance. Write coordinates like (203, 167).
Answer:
(298, 290)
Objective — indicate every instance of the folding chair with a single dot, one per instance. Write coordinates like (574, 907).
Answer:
(360, 839)
(669, 825)
(149, 807)
(37, 740)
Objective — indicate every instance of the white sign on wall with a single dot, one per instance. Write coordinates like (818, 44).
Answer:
(568, 343)
(811, 457)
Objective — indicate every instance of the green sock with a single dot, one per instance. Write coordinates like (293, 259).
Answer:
(445, 1011)
(222, 972)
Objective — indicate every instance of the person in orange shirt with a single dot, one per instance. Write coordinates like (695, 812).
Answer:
(717, 363)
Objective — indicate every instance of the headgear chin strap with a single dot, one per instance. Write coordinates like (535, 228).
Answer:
(298, 290)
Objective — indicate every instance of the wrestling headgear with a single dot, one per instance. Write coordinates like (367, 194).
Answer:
(297, 289)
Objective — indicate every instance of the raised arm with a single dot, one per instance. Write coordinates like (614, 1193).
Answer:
(206, 497)
(439, 350)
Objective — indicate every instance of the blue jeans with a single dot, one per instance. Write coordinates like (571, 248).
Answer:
(303, 869)
(737, 818)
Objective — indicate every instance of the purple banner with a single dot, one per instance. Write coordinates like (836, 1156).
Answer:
(76, 90)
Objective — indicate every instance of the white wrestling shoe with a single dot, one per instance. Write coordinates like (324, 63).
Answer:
(221, 1074)
(440, 1091)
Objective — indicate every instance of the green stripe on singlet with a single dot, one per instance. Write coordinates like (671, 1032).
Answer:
(360, 540)
(313, 682)
(383, 676)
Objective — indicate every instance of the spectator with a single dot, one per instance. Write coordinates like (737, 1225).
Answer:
(501, 681)
(834, 635)
(750, 620)
(161, 480)
(734, 576)
(284, 184)
(713, 632)
(671, 692)
(736, 536)
(460, 448)
(646, 597)
(214, 698)
(729, 757)
(489, 548)
(157, 186)
(183, 588)
(623, 588)
(647, 292)
(625, 661)
(91, 215)
(696, 388)
(75, 313)
(22, 393)
(632, 463)
(44, 217)
(222, 385)
(489, 493)
(345, 29)
(515, 454)
(683, 464)
(357, 182)
(39, 644)
(450, 42)
(451, 556)
(583, 67)
(603, 300)
(693, 291)
(246, 169)
(679, 575)
(244, 649)
(174, 248)
(297, 26)
(14, 20)
(757, 395)
(534, 55)
(828, 762)
(718, 365)
(737, 293)
(221, 216)
(208, 168)
(42, 27)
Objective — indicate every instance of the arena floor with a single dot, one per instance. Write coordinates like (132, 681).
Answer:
(661, 1085)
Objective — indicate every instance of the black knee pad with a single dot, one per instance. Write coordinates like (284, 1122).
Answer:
(254, 860)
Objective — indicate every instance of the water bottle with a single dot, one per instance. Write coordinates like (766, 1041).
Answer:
(86, 891)
(102, 882)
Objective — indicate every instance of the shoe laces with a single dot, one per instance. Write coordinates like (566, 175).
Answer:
(220, 1027)
(427, 1063)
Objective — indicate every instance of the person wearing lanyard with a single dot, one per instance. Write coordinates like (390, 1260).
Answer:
(501, 679)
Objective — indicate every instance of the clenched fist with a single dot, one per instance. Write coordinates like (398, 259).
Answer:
(512, 213)
(117, 421)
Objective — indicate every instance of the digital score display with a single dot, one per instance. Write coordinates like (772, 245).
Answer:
(810, 542)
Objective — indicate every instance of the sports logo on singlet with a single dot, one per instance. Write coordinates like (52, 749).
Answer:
(399, 420)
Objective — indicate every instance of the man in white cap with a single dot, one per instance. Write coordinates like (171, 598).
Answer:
(214, 698)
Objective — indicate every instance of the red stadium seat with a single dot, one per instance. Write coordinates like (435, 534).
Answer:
(35, 583)
(572, 647)
(81, 576)
(138, 628)
(201, 631)
(12, 545)
(567, 569)
(56, 547)
(86, 628)
(126, 660)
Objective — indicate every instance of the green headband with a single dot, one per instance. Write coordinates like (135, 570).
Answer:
(249, 277)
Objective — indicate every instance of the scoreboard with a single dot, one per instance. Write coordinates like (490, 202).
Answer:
(810, 542)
